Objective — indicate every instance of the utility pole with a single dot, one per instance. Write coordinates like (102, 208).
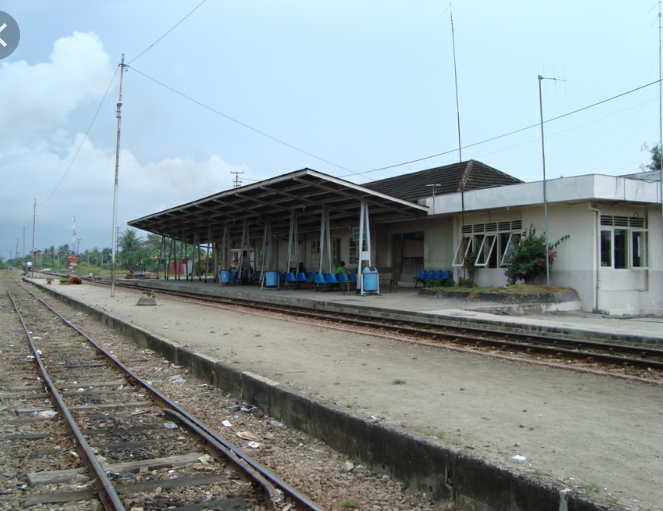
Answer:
(237, 182)
(34, 217)
(660, 118)
(117, 164)
(460, 145)
(545, 196)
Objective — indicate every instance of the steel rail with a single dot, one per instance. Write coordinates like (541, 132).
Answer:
(244, 463)
(530, 343)
(106, 492)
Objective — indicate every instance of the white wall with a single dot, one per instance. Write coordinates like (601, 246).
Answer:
(576, 263)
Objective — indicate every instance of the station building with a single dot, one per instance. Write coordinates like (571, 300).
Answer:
(431, 219)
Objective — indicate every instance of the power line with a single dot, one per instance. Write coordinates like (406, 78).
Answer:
(241, 123)
(509, 133)
(168, 32)
(82, 141)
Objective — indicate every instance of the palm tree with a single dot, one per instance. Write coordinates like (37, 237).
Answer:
(131, 247)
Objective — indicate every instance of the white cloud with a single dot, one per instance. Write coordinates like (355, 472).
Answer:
(41, 102)
(38, 99)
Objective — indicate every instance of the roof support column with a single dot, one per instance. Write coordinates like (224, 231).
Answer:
(325, 240)
(162, 245)
(210, 249)
(364, 246)
(178, 270)
(293, 243)
(244, 270)
(266, 252)
(196, 251)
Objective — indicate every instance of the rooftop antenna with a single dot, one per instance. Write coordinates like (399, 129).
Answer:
(460, 151)
(237, 182)
(543, 156)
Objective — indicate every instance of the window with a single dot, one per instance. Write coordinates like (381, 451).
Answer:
(639, 248)
(606, 248)
(315, 254)
(336, 251)
(490, 242)
(623, 243)
(353, 251)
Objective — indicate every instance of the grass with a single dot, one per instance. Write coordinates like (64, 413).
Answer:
(591, 487)
(522, 289)
(398, 381)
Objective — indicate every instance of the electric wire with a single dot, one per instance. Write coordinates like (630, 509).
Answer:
(509, 133)
(168, 32)
(240, 122)
(82, 141)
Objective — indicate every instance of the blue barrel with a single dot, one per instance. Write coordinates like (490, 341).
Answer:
(271, 278)
(370, 279)
(224, 277)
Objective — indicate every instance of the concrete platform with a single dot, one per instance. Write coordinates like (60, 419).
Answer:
(454, 425)
(412, 302)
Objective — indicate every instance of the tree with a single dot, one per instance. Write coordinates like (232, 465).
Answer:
(131, 247)
(527, 257)
(655, 163)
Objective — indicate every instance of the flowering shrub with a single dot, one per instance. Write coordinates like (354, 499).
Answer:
(527, 257)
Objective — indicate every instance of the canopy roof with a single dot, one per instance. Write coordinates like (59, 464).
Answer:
(304, 191)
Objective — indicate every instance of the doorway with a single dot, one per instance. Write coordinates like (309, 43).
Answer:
(408, 255)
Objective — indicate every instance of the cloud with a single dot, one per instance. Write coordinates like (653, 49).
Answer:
(38, 99)
(42, 104)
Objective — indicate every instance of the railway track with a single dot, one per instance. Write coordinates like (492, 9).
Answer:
(639, 361)
(109, 436)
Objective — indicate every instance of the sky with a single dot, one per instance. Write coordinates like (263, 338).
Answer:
(345, 87)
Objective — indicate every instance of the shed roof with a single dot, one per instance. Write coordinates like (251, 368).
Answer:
(304, 191)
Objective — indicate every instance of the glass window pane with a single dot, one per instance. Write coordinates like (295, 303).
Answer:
(621, 248)
(505, 241)
(606, 248)
(459, 257)
(639, 249)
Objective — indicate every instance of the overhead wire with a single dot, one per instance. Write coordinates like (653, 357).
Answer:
(168, 32)
(211, 109)
(450, 151)
(82, 141)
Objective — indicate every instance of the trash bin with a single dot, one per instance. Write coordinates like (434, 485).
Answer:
(370, 279)
(224, 277)
(271, 278)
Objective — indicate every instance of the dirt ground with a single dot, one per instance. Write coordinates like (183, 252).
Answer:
(597, 434)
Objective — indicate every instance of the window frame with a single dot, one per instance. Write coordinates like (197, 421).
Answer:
(470, 239)
(481, 251)
(629, 262)
(632, 231)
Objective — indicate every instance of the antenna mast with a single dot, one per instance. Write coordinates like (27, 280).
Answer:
(117, 164)
(460, 151)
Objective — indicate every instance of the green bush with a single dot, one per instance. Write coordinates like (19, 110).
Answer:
(463, 282)
(527, 259)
